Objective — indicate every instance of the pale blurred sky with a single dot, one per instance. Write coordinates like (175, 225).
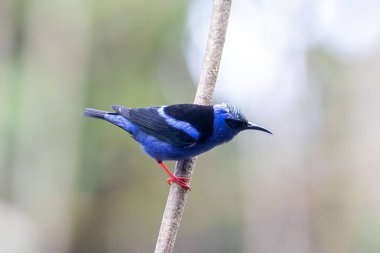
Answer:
(265, 54)
(304, 69)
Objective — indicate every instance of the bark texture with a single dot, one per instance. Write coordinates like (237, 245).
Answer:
(175, 204)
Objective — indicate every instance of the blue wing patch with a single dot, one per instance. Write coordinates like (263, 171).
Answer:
(151, 122)
(179, 124)
(199, 117)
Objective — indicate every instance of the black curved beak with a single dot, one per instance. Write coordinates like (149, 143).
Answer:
(257, 127)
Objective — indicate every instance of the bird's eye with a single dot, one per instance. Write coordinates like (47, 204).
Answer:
(233, 123)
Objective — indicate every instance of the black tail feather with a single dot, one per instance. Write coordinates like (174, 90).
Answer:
(89, 112)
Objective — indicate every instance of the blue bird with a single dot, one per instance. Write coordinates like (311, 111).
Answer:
(178, 132)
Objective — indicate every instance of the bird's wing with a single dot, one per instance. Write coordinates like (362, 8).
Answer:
(152, 122)
(200, 117)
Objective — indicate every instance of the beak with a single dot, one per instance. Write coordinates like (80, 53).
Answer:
(257, 127)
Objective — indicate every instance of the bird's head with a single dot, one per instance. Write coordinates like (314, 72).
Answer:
(234, 120)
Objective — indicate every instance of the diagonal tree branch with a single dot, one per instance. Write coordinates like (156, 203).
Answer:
(175, 204)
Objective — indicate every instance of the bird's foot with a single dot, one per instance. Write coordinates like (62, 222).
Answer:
(174, 179)
(179, 180)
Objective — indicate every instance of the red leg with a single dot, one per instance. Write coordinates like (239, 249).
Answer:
(172, 178)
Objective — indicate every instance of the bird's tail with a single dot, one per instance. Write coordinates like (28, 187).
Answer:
(89, 112)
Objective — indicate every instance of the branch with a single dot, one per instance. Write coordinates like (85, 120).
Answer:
(177, 194)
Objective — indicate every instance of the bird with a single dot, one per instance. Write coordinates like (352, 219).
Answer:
(179, 131)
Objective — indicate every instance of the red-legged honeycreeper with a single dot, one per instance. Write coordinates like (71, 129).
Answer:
(178, 132)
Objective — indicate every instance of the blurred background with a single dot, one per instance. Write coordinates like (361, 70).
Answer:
(306, 70)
